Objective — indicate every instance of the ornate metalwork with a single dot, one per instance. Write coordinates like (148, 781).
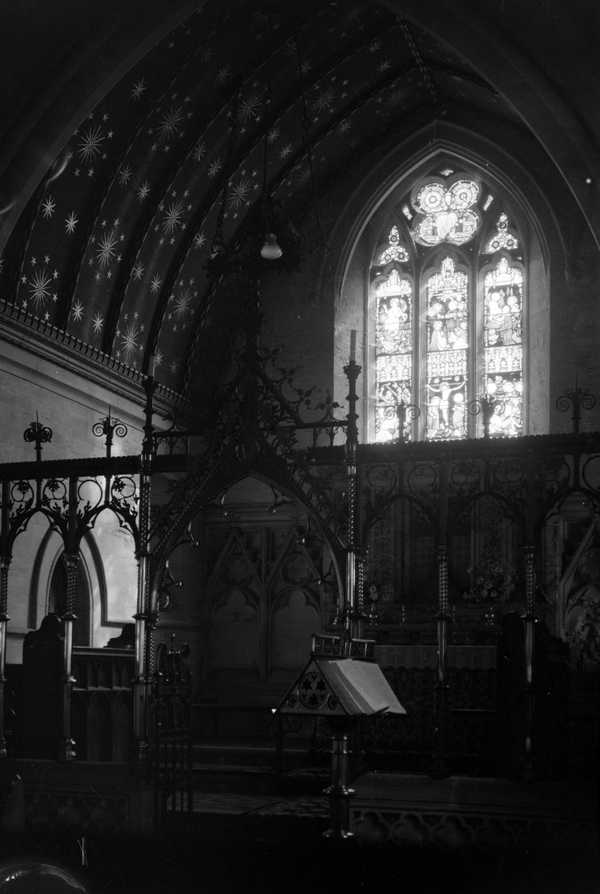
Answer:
(406, 414)
(55, 496)
(109, 428)
(486, 406)
(422, 480)
(124, 497)
(91, 494)
(170, 739)
(578, 399)
(22, 498)
(168, 583)
(465, 478)
(37, 434)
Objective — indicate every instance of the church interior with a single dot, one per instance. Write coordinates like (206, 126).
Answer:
(300, 464)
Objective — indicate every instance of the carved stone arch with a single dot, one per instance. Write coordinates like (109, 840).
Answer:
(283, 577)
(492, 529)
(234, 640)
(294, 618)
(189, 501)
(47, 555)
(512, 509)
(576, 600)
(48, 581)
(390, 501)
(396, 530)
(568, 529)
(216, 588)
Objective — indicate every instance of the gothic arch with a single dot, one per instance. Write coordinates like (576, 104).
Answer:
(539, 105)
(372, 204)
(186, 505)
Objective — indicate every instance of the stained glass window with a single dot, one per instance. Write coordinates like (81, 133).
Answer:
(502, 238)
(446, 214)
(447, 335)
(394, 339)
(394, 251)
(503, 346)
(448, 321)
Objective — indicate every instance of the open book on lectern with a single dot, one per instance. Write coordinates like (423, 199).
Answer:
(341, 687)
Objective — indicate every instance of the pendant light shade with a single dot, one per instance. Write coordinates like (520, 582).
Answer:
(271, 249)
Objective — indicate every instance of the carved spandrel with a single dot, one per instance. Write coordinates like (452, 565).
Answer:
(465, 478)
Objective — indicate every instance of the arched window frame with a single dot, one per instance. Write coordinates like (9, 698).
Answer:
(380, 274)
(471, 259)
(431, 263)
(491, 263)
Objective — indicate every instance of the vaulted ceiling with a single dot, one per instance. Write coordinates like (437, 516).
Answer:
(206, 110)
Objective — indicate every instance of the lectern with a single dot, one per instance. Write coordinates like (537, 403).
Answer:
(341, 689)
(340, 682)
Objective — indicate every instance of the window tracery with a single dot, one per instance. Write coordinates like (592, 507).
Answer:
(449, 291)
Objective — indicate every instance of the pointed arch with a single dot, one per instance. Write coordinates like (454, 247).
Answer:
(448, 167)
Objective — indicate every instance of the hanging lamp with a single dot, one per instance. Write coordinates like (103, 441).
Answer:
(271, 250)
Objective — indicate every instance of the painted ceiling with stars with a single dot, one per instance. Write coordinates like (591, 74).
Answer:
(113, 246)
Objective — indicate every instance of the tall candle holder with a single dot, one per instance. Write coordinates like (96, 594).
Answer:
(485, 406)
(37, 434)
(578, 399)
(406, 414)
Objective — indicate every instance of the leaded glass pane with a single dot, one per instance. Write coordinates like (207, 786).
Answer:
(503, 349)
(447, 337)
(394, 251)
(394, 345)
(502, 238)
(448, 214)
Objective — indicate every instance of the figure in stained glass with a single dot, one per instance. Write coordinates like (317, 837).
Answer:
(503, 352)
(438, 340)
(394, 341)
(426, 349)
(507, 390)
(447, 342)
(445, 408)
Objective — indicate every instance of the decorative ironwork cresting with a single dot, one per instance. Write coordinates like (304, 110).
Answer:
(578, 399)
(406, 413)
(37, 434)
(109, 427)
(485, 406)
